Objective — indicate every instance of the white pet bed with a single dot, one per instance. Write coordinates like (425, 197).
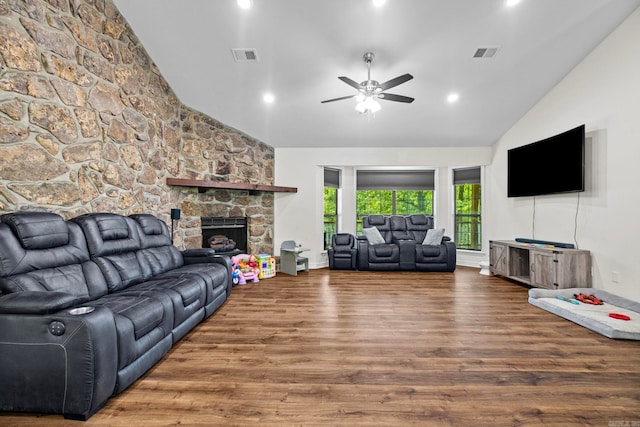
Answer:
(594, 317)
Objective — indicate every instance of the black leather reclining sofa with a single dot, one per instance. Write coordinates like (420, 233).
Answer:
(90, 304)
(402, 248)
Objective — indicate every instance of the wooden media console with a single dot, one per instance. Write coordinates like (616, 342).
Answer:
(541, 266)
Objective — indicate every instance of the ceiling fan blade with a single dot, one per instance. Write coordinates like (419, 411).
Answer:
(337, 99)
(350, 82)
(394, 97)
(395, 82)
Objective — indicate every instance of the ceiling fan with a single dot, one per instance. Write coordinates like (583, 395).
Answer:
(370, 90)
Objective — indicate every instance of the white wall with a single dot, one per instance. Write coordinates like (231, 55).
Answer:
(603, 92)
(299, 216)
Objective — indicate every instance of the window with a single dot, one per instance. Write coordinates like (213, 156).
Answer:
(331, 185)
(468, 207)
(393, 193)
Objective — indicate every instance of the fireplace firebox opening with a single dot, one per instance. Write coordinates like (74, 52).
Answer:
(227, 235)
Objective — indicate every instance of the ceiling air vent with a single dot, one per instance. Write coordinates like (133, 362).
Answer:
(486, 52)
(244, 55)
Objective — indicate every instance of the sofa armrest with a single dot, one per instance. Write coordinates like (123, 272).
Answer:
(451, 255)
(362, 245)
(206, 255)
(58, 363)
(38, 302)
(195, 256)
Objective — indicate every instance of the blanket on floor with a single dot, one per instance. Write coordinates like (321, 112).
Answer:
(594, 317)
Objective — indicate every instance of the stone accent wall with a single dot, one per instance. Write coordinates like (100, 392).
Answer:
(88, 124)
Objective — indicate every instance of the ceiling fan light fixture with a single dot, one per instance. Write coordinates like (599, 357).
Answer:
(244, 4)
(369, 91)
(368, 105)
(268, 98)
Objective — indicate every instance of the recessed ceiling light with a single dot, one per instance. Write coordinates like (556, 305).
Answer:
(268, 98)
(244, 4)
(512, 2)
(379, 3)
(452, 97)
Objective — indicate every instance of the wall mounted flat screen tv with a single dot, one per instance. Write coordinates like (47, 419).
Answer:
(549, 166)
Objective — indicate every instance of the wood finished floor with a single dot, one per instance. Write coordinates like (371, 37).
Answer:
(350, 348)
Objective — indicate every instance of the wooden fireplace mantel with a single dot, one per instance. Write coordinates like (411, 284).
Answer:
(203, 185)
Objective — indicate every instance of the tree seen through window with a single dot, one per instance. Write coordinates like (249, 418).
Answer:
(330, 214)
(392, 202)
(468, 227)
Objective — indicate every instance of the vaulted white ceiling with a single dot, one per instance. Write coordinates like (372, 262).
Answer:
(304, 45)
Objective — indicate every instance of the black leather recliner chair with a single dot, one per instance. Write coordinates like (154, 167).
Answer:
(342, 253)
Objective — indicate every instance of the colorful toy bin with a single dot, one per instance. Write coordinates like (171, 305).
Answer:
(267, 265)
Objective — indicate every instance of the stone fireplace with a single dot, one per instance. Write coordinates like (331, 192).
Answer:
(229, 208)
(228, 234)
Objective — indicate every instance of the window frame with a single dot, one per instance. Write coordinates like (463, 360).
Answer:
(394, 180)
(332, 180)
(471, 175)
(328, 230)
